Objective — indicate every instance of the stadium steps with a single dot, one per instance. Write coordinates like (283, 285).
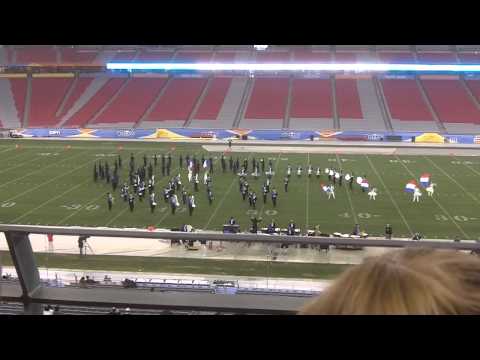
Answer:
(67, 95)
(336, 121)
(286, 120)
(28, 97)
(469, 92)
(110, 101)
(3, 55)
(153, 104)
(425, 97)
(84, 99)
(387, 118)
(229, 107)
(372, 113)
(8, 115)
(242, 108)
(198, 102)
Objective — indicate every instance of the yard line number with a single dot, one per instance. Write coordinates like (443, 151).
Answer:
(459, 218)
(79, 206)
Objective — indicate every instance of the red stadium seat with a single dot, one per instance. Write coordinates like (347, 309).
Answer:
(268, 99)
(311, 98)
(213, 100)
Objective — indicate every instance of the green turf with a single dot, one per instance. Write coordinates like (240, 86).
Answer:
(184, 266)
(58, 189)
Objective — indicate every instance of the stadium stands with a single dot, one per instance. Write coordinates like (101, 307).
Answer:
(36, 55)
(19, 90)
(132, 102)
(176, 104)
(452, 104)
(95, 103)
(436, 58)
(47, 95)
(9, 117)
(396, 57)
(408, 110)
(211, 104)
(268, 101)
(311, 105)
(77, 57)
(469, 58)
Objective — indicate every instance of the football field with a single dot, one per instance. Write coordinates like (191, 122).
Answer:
(51, 183)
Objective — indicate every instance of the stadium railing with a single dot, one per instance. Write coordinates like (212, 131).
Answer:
(33, 293)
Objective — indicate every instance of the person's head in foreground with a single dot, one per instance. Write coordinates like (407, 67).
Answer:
(410, 281)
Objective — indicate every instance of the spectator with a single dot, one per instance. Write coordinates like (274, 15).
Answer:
(405, 282)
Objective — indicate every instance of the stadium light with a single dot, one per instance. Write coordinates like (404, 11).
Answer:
(260, 47)
(358, 67)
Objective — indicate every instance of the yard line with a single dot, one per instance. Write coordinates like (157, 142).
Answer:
(219, 204)
(88, 203)
(474, 198)
(354, 213)
(48, 201)
(307, 194)
(276, 168)
(468, 166)
(437, 202)
(42, 169)
(18, 165)
(395, 204)
(49, 181)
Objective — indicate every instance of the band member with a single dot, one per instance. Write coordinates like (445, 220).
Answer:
(153, 203)
(191, 204)
(131, 202)
(109, 201)
(262, 163)
(291, 228)
(243, 191)
(265, 193)
(181, 161)
(285, 184)
(331, 191)
(372, 194)
(210, 196)
(416, 195)
(184, 197)
(274, 197)
(310, 170)
(289, 171)
(299, 171)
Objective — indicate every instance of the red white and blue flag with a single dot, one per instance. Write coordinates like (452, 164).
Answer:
(364, 184)
(411, 186)
(425, 179)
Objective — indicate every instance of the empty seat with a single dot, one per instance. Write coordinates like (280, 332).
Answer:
(396, 57)
(268, 99)
(348, 101)
(405, 101)
(436, 58)
(451, 101)
(79, 88)
(77, 57)
(47, 95)
(19, 90)
(36, 55)
(178, 100)
(132, 102)
(213, 100)
(469, 58)
(311, 98)
(308, 56)
(81, 118)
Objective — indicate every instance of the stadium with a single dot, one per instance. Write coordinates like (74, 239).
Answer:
(227, 179)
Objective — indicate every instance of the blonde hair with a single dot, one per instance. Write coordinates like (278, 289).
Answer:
(409, 281)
